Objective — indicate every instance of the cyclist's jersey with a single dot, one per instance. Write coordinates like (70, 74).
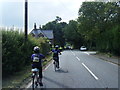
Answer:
(55, 53)
(36, 60)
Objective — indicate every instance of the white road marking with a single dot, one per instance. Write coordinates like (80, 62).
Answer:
(87, 53)
(78, 59)
(112, 63)
(47, 67)
(90, 71)
(73, 53)
(28, 86)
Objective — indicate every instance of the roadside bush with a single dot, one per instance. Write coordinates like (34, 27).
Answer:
(16, 53)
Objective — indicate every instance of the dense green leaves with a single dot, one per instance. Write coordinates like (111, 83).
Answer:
(71, 34)
(16, 53)
(57, 31)
(97, 27)
(99, 22)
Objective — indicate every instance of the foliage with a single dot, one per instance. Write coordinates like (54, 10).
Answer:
(71, 34)
(57, 31)
(16, 53)
(99, 25)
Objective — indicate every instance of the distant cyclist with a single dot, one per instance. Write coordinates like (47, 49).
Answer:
(60, 49)
(37, 62)
(56, 53)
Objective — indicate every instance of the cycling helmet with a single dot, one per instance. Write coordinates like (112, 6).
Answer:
(56, 46)
(36, 49)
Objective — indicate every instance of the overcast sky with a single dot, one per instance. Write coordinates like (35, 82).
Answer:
(39, 11)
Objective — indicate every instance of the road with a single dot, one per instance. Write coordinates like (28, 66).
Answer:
(81, 70)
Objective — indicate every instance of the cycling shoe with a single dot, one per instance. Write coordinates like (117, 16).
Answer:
(41, 84)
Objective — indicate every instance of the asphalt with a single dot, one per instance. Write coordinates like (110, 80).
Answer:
(80, 70)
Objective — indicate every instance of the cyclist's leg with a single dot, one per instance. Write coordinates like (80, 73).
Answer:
(40, 76)
(58, 62)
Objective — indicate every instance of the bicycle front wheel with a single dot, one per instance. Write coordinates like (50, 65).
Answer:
(55, 65)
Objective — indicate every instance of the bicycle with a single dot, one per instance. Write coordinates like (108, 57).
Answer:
(35, 78)
(55, 64)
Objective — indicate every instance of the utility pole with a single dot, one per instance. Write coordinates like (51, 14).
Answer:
(26, 18)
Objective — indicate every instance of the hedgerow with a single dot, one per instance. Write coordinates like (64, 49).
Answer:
(16, 52)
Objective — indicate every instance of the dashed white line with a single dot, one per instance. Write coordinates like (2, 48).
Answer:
(90, 71)
(73, 53)
(78, 59)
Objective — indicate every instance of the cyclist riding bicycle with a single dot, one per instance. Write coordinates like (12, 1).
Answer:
(56, 52)
(37, 62)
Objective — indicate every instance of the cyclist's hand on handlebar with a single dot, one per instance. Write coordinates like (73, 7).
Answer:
(60, 53)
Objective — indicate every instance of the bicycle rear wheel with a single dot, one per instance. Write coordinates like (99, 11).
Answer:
(33, 83)
(57, 65)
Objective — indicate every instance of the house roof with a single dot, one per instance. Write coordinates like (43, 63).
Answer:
(46, 33)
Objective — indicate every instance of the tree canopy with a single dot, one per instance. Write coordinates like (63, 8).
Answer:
(57, 27)
(97, 27)
(99, 22)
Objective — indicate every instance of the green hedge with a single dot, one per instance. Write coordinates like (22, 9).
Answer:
(16, 53)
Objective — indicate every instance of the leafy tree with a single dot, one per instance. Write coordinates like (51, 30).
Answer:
(98, 22)
(71, 34)
(16, 53)
(57, 30)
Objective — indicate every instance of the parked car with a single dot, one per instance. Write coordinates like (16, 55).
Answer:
(83, 48)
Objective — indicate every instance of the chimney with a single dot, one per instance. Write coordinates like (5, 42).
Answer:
(40, 27)
(34, 25)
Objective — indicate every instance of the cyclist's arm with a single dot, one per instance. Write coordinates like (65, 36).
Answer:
(43, 57)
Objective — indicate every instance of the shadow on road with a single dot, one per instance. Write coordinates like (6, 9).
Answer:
(55, 82)
(62, 71)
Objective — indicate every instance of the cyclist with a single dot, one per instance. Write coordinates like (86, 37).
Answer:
(56, 53)
(37, 62)
(60, 49)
